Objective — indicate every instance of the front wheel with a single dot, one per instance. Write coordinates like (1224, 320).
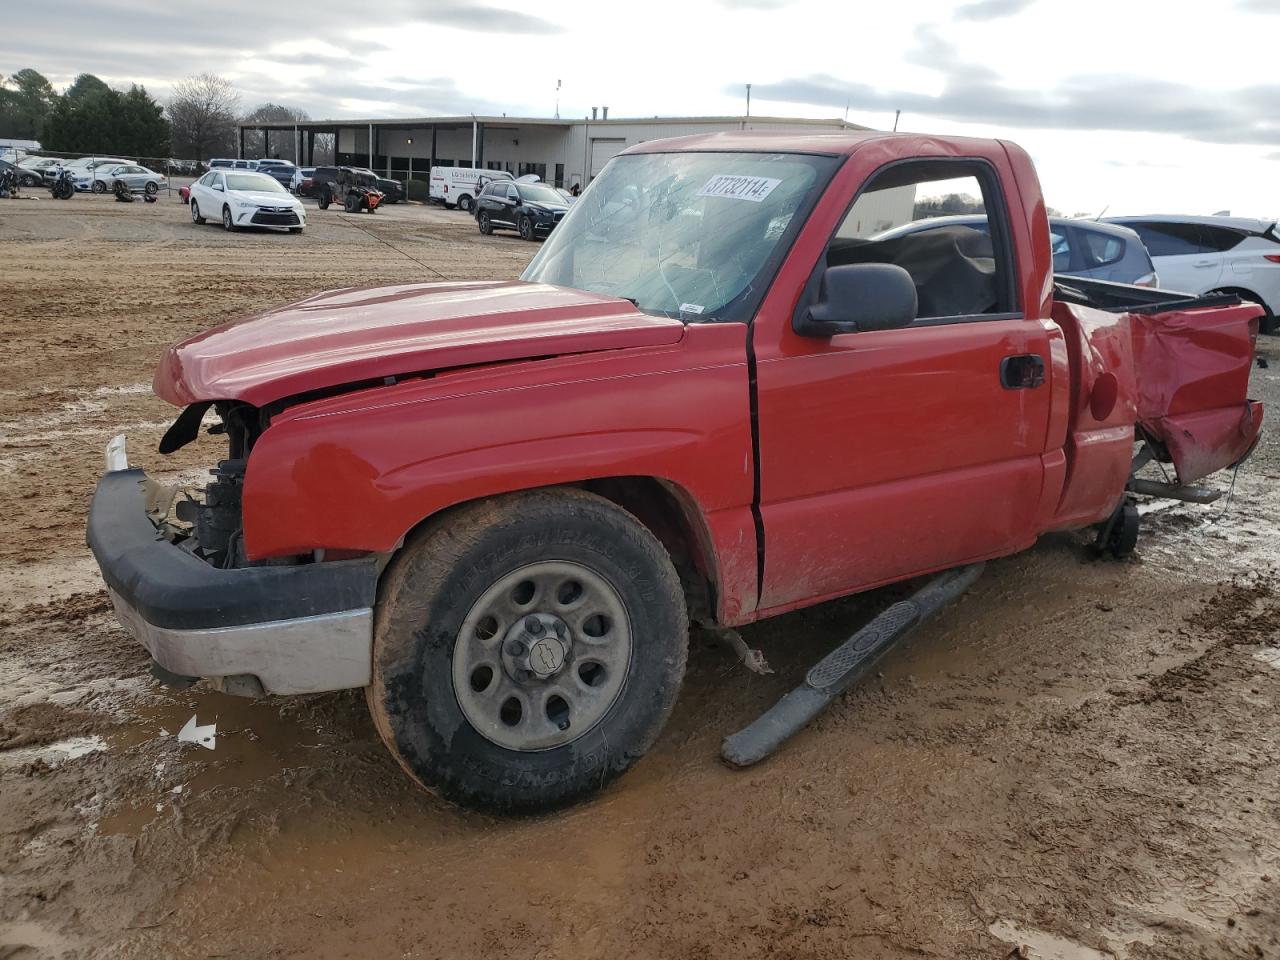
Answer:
(195, 213)
(99, 187)
(527, 650)
(227, 223)
(486, 225)
(526, 228)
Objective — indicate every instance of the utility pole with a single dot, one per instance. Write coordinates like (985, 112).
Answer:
(557, 99)
(748, 101)
(896, 115)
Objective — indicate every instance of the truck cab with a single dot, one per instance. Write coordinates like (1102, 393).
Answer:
(713, 395)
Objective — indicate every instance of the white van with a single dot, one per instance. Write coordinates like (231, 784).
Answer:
(458, 186)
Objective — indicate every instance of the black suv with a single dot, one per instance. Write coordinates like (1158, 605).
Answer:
(531, 208)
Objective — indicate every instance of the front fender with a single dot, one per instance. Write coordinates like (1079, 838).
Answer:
(359, 471)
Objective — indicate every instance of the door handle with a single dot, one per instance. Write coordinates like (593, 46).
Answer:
(1204, 263)
(1025, 371)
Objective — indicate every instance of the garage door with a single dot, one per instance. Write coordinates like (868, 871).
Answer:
(602, 151)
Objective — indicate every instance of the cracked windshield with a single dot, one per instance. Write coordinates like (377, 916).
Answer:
(683, 235)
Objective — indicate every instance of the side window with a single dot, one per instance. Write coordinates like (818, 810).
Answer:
(1060, 246)
(1220, 238)
(1103, 248)
(944, 222)
(1170, 239)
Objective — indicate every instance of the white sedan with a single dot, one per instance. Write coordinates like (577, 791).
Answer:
(242, 198)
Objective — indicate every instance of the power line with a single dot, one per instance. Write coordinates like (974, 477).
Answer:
(403, 253)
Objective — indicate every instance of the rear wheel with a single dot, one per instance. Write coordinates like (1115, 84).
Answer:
(351, 203)
(1122, 537)
(195, 212)
(324, 200)
(152, 188)
(527, 650)
(464, 203)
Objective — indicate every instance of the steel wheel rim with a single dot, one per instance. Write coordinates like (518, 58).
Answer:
(583, 647)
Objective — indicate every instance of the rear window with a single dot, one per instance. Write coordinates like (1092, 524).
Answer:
(1103, 248)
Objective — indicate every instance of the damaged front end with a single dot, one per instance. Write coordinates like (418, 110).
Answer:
(211, 528)
(180, 582)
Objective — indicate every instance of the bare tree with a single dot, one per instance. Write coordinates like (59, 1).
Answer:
(257, 143)
(202, 112)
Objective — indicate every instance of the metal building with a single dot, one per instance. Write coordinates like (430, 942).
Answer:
(562, 152)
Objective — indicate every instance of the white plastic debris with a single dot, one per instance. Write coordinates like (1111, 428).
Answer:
(206, 736)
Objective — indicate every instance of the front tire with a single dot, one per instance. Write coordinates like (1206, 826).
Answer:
(227, 223)
(99, 187)
(527, 650)
(486, 225)
(195, 213)
(526, 228)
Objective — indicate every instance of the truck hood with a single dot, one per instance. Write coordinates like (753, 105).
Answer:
(358, 335)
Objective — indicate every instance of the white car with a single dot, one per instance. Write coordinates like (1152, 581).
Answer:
(300, 174)
(243, 198)
(1215, 255)
(104, 175)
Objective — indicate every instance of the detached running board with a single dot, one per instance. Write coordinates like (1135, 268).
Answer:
(843, 667)
(1172, 491)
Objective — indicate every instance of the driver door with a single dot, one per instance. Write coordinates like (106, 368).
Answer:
(891, 453)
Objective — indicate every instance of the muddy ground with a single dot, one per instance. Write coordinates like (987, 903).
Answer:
(1078, 760)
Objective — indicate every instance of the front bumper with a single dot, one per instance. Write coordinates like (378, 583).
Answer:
(297, 629)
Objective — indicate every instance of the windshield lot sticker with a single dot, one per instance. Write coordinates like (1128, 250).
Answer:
(694, 308)
(734, 187)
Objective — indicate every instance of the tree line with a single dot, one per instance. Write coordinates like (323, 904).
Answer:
(198, 121)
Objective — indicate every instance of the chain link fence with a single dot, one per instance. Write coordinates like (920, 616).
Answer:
(170, 168)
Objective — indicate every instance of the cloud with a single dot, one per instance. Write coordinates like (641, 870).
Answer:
(1259, 6)
(972, 94)
(124, 41)
(992, 9)
(485, 19)
(1273, 156)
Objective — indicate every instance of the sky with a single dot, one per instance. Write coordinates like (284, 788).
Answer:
(1135, 106)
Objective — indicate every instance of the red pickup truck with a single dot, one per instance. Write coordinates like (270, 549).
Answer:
(714, 395)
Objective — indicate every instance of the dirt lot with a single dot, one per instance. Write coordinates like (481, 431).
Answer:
(1079, 760)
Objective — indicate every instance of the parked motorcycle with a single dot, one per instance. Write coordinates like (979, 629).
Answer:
(8, 182)
(63, 186)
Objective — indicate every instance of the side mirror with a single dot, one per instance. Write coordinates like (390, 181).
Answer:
(218, 187)
(859, 297)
